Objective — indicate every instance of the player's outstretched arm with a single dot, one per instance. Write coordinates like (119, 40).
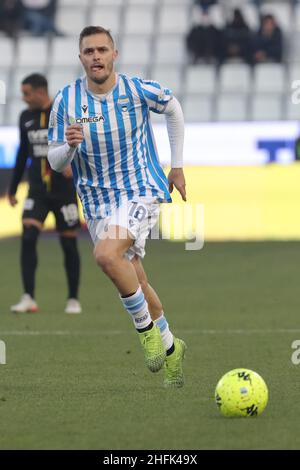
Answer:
(175, 126)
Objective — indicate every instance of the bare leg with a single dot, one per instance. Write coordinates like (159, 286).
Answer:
(154, 303)
(109, 255)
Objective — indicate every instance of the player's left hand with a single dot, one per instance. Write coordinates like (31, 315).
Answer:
(176, 178)
(13, 201)
(68, 172)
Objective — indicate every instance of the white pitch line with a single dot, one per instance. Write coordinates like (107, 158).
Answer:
(243, 331)
(60, 333)
(119, 332)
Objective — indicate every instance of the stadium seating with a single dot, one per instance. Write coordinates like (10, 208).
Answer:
(133, 70)
(173, 19)
(139, 19)
(168, 76)
(32, 52)
(232, 107)
(142, 2)
(6, 52)
(292, 111)
(62, 76)
(297, 17)
(267, 107)
(64, 52)
(201, 79)
(251, 15)
(293, 45)
(14, 108)
(108, 16)
(217, 15)
(150, 37)
(235, 78)
(269, 78)
(69, 20)
(2, 120)
(135, 50)
(169, 50)
(5, 77)
(198, 108)
(76, 3)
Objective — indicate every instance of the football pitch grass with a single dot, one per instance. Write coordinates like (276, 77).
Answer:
(79, 382)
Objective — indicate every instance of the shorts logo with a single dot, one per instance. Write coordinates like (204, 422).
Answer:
(28, 204)
(70, 214)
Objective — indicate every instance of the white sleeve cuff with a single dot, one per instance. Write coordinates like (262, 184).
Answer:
(60, 156)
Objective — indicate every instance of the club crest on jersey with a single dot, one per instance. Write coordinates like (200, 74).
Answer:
(90, 120)
(123, 102)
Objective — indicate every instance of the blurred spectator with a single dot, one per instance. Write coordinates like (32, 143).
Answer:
(236, 38)
(203, 41)
(39, 15)
(10, 17)
(205, 4)
(268, 41)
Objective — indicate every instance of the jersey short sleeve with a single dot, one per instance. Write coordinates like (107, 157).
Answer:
(156, 96)
(57, 121)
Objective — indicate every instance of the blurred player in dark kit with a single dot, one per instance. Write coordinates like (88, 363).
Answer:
(49, 191)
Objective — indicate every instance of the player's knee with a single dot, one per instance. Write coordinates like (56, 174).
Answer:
(30, 234)
(107, 260)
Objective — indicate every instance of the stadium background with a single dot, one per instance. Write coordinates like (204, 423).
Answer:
(73, 383)
(240, 175)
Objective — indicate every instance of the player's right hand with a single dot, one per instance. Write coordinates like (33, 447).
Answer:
(12, 200)
(74, 135)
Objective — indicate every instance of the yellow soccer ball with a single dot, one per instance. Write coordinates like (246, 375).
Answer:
(241, 393)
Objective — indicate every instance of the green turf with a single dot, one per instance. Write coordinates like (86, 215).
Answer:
(82, 383)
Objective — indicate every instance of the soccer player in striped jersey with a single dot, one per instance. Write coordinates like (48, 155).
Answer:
(101, 125)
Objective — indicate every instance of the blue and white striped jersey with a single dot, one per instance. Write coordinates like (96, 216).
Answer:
(118, 157)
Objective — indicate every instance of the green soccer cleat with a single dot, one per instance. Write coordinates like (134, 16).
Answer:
(173, 365)
(154, 350)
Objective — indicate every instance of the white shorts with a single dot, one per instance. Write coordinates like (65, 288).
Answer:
(137, 216)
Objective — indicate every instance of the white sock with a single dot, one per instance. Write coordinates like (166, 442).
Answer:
(166, 335)
(137, 307)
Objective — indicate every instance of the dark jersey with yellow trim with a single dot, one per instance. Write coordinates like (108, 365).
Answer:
(34, 145)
